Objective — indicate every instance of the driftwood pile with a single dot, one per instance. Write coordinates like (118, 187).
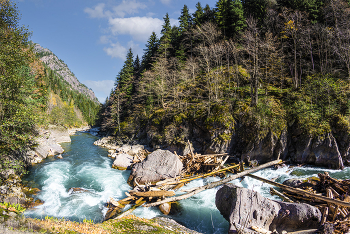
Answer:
(337, 211)
(197, 163)
(162, 193)
(331, 196)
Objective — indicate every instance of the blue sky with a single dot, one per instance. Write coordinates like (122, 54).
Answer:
(93, 36)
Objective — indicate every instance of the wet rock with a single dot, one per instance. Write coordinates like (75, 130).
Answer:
(159, 165)
(165, 208)
(295, 183)
(248, 208)
(122, 161)
(77, 190)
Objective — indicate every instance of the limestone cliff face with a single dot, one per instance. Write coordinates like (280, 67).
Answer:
(62, 70)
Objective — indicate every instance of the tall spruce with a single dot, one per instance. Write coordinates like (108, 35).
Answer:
(185, 19)
(150, 51)
(230, 17)
(165, 39)
(256, 9)
(198, 15)
(124, 80)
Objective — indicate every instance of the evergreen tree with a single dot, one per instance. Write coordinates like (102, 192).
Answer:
(185, 19)
(230, 17)
(198, 15)
(209, 14)
(124, 80)
(312, 7)
(150, 51)
(164, 42)
(137, 64)
(255, 9)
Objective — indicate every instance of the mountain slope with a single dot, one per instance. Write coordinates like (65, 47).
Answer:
(62, 70)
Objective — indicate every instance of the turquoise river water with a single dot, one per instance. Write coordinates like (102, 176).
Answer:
(87, 166)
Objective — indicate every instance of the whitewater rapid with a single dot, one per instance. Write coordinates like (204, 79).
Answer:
(87, 167)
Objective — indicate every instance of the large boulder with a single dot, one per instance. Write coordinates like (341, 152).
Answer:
(159, 165)
(123, 161)
(321, 151)
(246, 208)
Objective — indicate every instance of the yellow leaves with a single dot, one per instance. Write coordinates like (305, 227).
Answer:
(290, 25)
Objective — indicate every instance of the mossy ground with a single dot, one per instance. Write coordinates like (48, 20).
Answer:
(129, 224)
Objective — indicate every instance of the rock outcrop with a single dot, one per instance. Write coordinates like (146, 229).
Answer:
(48, 144)
(159, 165)
(62, 70)
(123, 161)
(291, 145)
(246, 208)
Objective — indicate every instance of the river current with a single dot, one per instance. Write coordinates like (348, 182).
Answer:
(87, 166)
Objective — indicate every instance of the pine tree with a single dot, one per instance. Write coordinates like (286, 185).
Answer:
(150, 51)
(312, 7)
(124, 80)
(164, 42)
(230, 17)
(209, 14)
(255, 9)
(185, 19)
(198, 14)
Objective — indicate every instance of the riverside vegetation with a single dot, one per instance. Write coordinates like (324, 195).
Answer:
(258, 79)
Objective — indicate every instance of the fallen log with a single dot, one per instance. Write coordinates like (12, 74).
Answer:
(159, 193)
(202, 176)
(303, 192)
(215, 184)
(282, 196)
(139, 202)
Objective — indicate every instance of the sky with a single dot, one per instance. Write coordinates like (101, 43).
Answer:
(93, 36)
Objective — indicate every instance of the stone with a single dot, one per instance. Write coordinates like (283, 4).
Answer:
(295, 183)
(165, 208)
(248, 208)
(123, 149)
(159, 165)
(135, 149)
(77, 190)
(123, 161)
(320, 151)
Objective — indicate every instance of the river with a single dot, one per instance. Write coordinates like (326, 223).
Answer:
(87, 166)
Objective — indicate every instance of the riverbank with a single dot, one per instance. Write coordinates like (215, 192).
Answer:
(97, 155)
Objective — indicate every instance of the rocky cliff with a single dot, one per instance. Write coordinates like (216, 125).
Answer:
(62, 70)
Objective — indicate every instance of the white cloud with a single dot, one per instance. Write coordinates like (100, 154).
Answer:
(140, 28)
(166, 2)
(104, 39)
(102, 88)
(121, 10)
(116, 51)
(97, 12)
(128, 7)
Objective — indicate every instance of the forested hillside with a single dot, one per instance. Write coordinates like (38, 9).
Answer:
(31, 94)
(245, 72)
